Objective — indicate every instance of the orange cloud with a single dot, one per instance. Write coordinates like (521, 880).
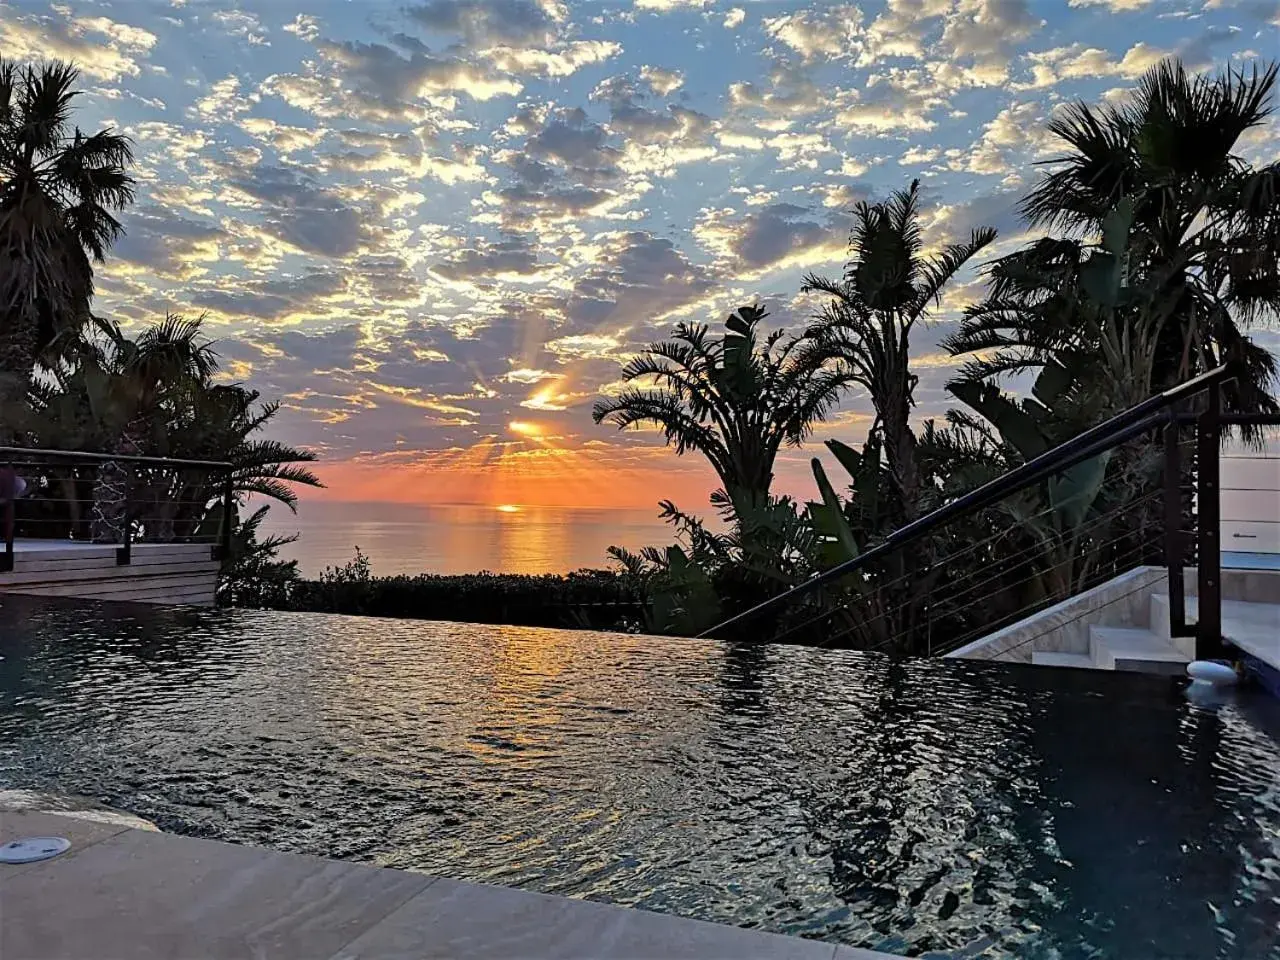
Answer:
(530, 473)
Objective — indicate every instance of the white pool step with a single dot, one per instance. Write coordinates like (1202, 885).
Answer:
(1134, 649)
(1253, 627)
(1048, 658)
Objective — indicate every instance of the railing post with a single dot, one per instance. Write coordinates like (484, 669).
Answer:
(1173, 550)
(928, 601)
(1209, 527)
(6, 559)
(124, 552)
(228, 501)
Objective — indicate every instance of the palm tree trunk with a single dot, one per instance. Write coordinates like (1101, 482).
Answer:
(17, 361)
(111, 492)
(900, 447)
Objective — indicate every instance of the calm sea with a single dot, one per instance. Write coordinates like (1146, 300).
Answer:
(411, 538)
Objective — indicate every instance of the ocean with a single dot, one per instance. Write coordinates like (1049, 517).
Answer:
(413, 538)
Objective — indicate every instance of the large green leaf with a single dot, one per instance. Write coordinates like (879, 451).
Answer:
(830, 523)
(849, 458)
(1116, 226)
(1054, 381)
(685, 600)
(1072, 492)
(1016, 426)
(1102, 276)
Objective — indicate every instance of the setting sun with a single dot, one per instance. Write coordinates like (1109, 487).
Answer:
(524, 428)
(507, 508)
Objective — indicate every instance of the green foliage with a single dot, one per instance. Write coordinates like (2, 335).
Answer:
(590, 599)
(1204, 226)
(837, 541)
(1169, 241)
(736, 399)
(155, 395)
(864, 330)
(58, 190)
(252, 576)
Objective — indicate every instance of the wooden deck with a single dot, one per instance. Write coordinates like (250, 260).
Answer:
(156, 573)
(120, 892)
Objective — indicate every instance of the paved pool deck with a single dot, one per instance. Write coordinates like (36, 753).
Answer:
(125, 893)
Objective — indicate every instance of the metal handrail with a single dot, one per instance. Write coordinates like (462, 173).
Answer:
(1109, 433)
(10, 455)
(90, 457)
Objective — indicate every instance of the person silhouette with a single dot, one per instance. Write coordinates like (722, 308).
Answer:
(12, 486)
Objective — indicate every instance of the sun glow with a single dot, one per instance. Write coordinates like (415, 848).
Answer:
(524, 428)
(507, 508)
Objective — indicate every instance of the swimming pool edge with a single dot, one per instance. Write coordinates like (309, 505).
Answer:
(124, 891)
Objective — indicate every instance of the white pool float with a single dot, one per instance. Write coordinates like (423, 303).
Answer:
(1210, 672)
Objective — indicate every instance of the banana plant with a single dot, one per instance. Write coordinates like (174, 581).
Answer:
(1090, 329)
(1056, 512)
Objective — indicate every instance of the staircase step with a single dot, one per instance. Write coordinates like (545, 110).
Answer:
(1051, 659)
(1135, 649)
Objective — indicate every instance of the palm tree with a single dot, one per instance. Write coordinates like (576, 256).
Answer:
(139, 383)
(251, 575)
(58, 188)
(864, 330)
(1077, 314)
(1206, 225)
(218, 422)
(735, 399)
(155, 396)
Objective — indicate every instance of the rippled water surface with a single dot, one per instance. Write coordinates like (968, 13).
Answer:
(928, 806)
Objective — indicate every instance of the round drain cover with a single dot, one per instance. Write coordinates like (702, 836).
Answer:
(30, 849)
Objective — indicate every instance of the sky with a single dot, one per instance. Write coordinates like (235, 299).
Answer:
(435, 230)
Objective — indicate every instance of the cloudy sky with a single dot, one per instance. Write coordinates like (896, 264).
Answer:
(435, 229)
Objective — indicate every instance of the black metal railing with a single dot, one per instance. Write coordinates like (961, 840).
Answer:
(114, 499)
(898, 591)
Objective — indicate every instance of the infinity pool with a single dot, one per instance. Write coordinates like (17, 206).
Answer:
(972, 810)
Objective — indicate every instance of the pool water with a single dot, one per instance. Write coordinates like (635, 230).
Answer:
(927, 806)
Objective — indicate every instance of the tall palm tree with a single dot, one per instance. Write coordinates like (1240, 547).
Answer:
(218, 422)
(144, 380)
(58, 188)
(864, 329)
(736, 399)
(155, 396)
(1079, 316)
(1206, 225)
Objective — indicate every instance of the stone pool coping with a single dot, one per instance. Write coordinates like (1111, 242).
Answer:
(121, 892)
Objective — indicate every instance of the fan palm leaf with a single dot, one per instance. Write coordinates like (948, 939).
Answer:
(735, 398)
(58, 190)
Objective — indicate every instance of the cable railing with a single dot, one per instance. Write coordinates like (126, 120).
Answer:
(991, 557)
(50, 497)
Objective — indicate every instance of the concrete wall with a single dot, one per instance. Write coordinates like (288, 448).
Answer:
(1251, 497)
(159, 572)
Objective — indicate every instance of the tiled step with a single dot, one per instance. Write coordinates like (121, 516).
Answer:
(1134, 649)
(1053, 659)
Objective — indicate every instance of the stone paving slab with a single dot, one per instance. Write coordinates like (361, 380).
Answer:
(82, 833)
(124, 893)
(452, 919)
